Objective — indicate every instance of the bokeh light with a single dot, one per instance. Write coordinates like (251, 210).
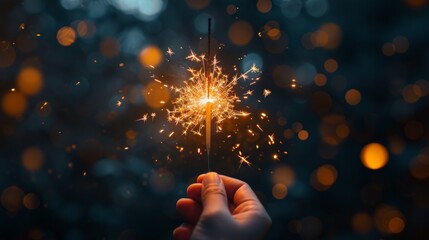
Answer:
(303, 135)
(389, 220)
(374, 156)
(231, 9)
(240, 33)
(29, 81)
(331, 65)
(353, 97)
(14, 104)
(32, 159)
(11, 198)
(264, 6)
(144, 10)
(320, 79)
(324, 177)
(316, 8)
(150, 56)
(412, 93)
(291, 8)
(71, 4)
(66, 36)
(284, 175)
(334, 34)
(156, 95)
(31, 201)
(279, 191)
(149, 10)
(85, 28)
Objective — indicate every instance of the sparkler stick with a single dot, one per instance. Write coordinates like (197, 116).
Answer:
(208, 104)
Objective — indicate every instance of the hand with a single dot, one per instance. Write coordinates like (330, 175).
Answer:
(221, 207)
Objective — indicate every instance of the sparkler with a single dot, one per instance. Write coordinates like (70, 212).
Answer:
(208, 94)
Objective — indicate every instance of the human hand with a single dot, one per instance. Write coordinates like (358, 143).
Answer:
(221, 207)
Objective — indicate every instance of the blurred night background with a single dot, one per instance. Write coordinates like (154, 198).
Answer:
(348, 108)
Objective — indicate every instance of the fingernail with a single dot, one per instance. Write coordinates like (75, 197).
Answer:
(211, 178)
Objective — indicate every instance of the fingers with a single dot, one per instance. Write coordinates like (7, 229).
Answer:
(194, 192)
(189, 209)
(213, 195)
(183, 232)
(232, 186)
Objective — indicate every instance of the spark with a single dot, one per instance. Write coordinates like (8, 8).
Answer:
(193, 57)
(244, 160)
(293, 85)
(143, 118)
(251, 132)
(271, 140)
(43, 105)
(235, 146)
(249, 92)
(254, 69)
(119, 103)
(189, 109)
(170, 52)
(153, 115)
(266, 93)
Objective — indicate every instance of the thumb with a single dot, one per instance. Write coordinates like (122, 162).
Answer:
(213, 194)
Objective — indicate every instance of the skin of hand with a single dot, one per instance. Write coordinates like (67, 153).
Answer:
(221, 207)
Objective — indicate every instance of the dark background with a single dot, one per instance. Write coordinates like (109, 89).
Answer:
(75, 165)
